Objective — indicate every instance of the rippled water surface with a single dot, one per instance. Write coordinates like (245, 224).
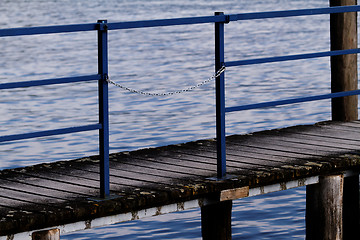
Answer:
(160, 60)
(276, 216)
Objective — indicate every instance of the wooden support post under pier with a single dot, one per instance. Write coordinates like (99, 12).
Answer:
(53, 234)
(343, 35)
(216, 221)
(351, 207)
(324, 208)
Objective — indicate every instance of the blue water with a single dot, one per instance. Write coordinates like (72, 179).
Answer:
(273, 216)
(160, 60)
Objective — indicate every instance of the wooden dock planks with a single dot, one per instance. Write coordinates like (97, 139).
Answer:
(65, 192)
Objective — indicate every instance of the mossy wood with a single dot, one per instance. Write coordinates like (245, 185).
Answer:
(65, 192)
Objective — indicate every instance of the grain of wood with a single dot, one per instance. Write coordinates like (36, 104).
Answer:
(48, 194)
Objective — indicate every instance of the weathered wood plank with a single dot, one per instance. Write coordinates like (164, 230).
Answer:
(151, 167)
(328, 132)
(257, 161)
(26, 195)
(27, 204)
(308, 140)
(182, 164)
(28, 187)
(50, 183)
(155, 177)
(294, 143)
(355, 124)
(290, 150)
(58, 179)
(233, 194)
(202, 159)
(353, 144)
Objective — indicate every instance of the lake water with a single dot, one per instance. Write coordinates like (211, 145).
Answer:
(160, 60)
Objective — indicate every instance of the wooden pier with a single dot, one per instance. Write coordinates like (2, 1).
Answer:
(43, 201)
(62, 196)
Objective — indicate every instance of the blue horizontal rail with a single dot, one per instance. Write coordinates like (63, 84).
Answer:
(291, 57)
(48, 29)
(46, 133)
(293, 13)
(166, 22)
(174, 21)
(49, 81)
(292, 100)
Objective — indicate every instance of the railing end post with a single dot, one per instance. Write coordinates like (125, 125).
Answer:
(103, 109)
(220, 98)
(102, 25)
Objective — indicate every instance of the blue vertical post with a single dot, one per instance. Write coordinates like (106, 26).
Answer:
(220, 99)
(103, 109)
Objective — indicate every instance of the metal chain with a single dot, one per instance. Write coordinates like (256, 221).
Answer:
(217, 74)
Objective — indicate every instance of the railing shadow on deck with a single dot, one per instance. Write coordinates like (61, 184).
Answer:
(219, 19)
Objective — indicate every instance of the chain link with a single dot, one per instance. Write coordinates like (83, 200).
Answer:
(217, 74)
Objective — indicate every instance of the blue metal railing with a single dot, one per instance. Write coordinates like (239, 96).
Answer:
(103, 124)
(221, 109)
(102, 27)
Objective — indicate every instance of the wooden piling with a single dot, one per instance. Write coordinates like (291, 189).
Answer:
(52, 234)
(343, 35)
(351, 207)
(216, 221)
(324, 208)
